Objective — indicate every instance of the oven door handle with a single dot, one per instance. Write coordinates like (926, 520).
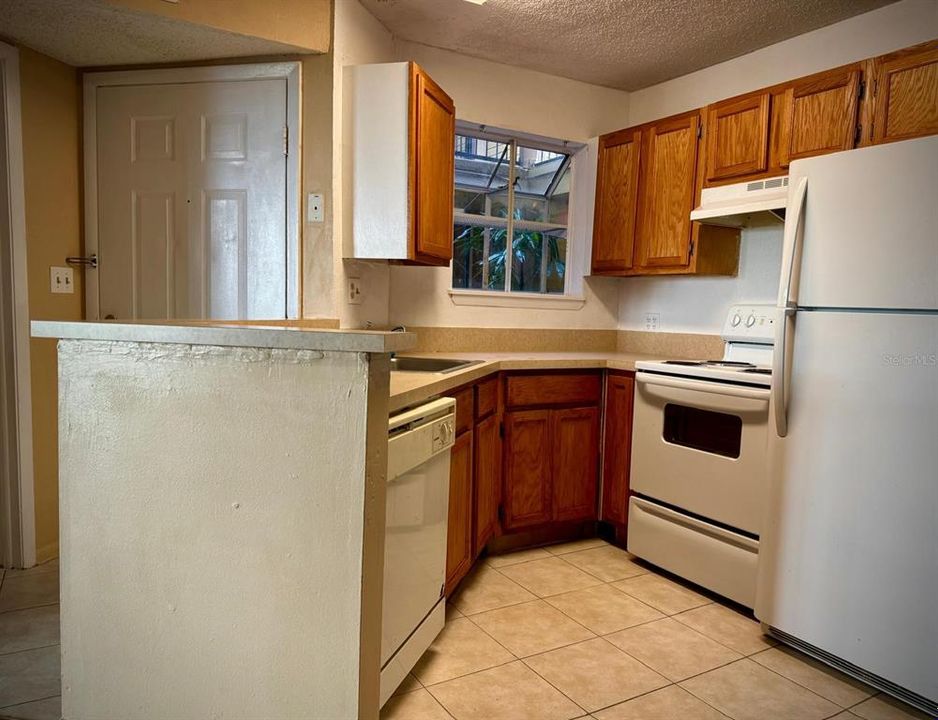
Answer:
(707, 396)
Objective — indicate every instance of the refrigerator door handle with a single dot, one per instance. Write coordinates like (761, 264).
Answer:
(785, 324)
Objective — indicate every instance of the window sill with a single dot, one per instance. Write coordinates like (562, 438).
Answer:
(482, 298)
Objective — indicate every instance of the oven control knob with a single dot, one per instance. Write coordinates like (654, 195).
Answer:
(750, 321)
(736, 320)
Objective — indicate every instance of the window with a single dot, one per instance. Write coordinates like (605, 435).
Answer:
(517, 188)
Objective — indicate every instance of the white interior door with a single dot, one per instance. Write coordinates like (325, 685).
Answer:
(192, 200)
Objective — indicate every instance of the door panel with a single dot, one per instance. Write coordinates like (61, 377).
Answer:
(819, 114)
(617, 452)
(192, 200)
(906, 93)
(854, 488)
(575, 443)
(668, 193)
(527, 469)
(488, 464)
(616, 201)
(459, 527)
(869, 220)
(434, 162)
(737, 137)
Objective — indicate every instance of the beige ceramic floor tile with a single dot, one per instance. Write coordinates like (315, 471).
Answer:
(603, 609)
(29, 675)
(47, 709)
(594, 674)
(845, 715)
(733, 629)
(463, 647)
(48, 566)
(497, 561)
(809, 673)
(670, 703)
(608, 563)
(408, 684)
(662, 594)
(487, 589)
(29, 629)
(509, 692)
(574, 545)
(745, 690)
(674, 650)
(452, 612)
(549, 577)
(30, 590)
(883, 707)
(531, 628)
(417, 705)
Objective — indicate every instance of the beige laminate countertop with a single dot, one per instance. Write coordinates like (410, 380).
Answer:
(410, 388)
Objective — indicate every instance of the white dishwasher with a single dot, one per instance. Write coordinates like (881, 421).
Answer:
(419, 442)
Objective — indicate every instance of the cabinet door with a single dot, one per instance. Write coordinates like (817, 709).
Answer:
(737, 137)
(614, 220)
(488, 464)
(459, 528)
(433, 137)
(527, 469)
(905, 93)
(617, 448)
(575, 443)
(667, 197)
(818, 115)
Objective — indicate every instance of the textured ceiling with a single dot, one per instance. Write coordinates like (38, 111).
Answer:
(625, 44)
(90, 33)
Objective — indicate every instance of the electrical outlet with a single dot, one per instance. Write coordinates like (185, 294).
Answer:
(651, 322)
(355, 295)
(62, 280)
(314, 208)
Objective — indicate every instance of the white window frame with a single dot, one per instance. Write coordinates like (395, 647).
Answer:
(290, 70)
(580, 161)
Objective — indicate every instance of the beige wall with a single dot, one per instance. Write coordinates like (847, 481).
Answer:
(51, 165)
(304, 23)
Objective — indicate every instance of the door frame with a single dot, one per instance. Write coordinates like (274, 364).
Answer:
(17, 501)
(289, 70)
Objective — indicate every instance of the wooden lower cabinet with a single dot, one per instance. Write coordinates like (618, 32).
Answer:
(487, 475)
(459, 534)
(617, 448)
(575, 446)
(527, 499)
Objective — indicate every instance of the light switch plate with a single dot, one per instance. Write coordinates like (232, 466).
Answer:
(314, 208)
(62, 280)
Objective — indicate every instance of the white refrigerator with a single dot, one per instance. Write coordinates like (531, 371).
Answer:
(848, 567)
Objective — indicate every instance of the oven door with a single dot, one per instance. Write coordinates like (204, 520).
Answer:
(701, 446)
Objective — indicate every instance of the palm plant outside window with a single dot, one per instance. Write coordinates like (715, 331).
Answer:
(508, 188)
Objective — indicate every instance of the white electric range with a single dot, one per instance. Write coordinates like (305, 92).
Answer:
(699, 458)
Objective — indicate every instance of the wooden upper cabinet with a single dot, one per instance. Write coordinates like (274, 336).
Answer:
(664, 231)
(737, 137)
(905, 93)
(817, 115)
(617, 449)
(527, 499)
(575, 440)
(433, 127)
(616, 209)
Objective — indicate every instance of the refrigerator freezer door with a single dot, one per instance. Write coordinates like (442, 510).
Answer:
(870, 227)
(848, 561)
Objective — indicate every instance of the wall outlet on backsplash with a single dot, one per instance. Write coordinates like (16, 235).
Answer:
(652, 320)
(354, 294)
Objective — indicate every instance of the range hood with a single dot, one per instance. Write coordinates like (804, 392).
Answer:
(735, 205)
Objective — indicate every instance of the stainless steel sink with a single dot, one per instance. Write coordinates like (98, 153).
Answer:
(431, 365)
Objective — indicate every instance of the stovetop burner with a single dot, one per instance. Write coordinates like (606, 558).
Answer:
(729, 364)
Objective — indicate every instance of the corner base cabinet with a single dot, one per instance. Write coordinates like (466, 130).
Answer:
(617, 449)
(398, 131)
